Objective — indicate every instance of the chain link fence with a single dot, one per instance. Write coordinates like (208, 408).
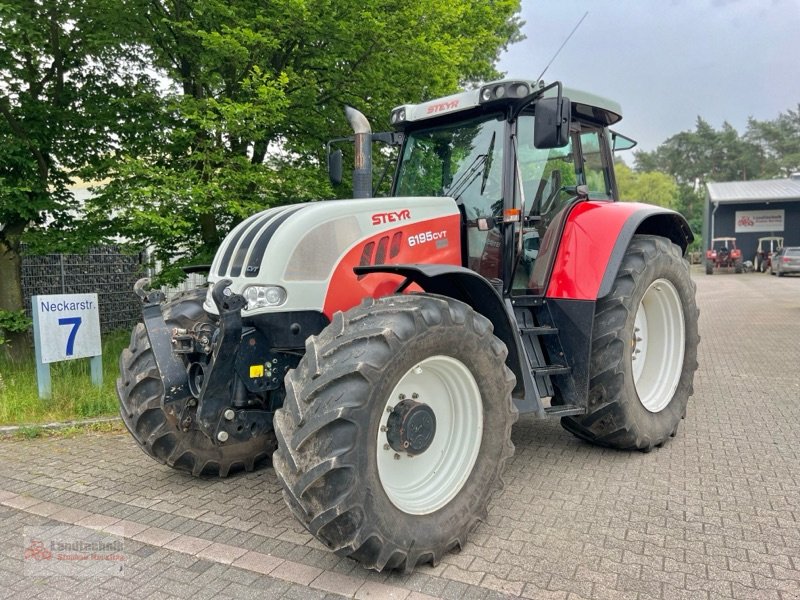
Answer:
(103, 270)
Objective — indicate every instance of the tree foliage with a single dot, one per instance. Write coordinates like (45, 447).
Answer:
(779, 141)
(705, 154)
(652, 187)
(253, 91)
(61, 84)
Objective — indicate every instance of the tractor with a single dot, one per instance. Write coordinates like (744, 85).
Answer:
(380, 350)
(767, 246)
(723, 254)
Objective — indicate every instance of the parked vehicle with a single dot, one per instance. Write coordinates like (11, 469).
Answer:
(786, 260)
(723, 254)
(387, 345)
(767, 246)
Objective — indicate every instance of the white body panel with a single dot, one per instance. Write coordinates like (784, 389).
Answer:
(302, 244)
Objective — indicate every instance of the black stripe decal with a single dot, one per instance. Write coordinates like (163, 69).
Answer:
(241, 251)
(226, 259)
(257, 255)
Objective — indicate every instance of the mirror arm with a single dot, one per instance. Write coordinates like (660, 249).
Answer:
(526, 101)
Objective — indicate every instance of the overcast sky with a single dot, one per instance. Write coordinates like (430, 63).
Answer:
(668, 61)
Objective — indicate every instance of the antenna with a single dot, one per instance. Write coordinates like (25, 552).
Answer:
(574, 29)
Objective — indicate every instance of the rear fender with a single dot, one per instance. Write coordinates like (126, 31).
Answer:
(596, 236)
(470, 288)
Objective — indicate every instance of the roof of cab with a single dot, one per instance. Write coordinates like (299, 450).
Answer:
(584, 104)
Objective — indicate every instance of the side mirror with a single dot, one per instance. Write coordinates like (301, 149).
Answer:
(335, 167)
(551, 123)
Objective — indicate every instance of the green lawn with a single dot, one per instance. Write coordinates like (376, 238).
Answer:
(74, 396)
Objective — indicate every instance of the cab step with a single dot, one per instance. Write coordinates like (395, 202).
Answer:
(564, 410)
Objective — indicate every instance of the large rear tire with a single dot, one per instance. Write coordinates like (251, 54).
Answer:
(644, 350)
(346, 479)
(709, 268)
(140, 391)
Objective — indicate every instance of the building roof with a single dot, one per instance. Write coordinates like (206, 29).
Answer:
(768, 190)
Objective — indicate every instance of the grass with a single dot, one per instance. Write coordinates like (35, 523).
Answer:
(30, 432)
(73, 397)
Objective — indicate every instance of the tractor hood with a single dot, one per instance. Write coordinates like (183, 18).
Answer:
(301, 257)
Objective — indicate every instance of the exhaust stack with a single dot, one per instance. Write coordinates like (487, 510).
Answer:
(362, 173)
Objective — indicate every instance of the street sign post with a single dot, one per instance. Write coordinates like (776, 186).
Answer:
(65, 327)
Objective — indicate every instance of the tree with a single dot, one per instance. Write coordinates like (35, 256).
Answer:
(779, 140)
(652, 187)
(61, 73)
(255, 89)
(705, 154)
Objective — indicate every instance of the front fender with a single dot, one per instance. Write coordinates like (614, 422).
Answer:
(468, 287)
(595, 237)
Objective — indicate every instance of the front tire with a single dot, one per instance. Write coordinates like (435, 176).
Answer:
(140, 390)
(644, 350)
(344, 475)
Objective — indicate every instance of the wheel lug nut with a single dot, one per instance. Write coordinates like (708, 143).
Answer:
(222, 436)
(389, 409)
(397, 456)
(383, 427)
(417, 370)
(415, 395)
(386, 446)
(229, 414)
(402, 396)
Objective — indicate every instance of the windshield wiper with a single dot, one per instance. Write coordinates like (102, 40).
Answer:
(487, 164)
(465, 180)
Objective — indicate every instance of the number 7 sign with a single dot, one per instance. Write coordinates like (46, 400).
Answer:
(66, 327)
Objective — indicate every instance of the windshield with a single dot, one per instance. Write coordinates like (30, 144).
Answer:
(463, 160)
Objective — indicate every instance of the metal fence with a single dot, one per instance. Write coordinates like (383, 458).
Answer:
(102, 270)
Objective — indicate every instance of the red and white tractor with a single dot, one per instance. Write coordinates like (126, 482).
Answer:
(386, 346)
(723, 254)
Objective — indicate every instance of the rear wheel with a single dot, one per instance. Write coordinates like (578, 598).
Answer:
(395, 429)
(709, 268)
(644, 350)
(738, 266)
(140, 391)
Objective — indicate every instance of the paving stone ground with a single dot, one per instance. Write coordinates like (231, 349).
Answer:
(715, 513)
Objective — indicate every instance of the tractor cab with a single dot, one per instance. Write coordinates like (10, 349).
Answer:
(513, 154)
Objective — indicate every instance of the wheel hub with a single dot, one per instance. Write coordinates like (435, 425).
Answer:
(411, 427)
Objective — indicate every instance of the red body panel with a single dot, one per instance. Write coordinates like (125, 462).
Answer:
(431, 241)
(591, 230)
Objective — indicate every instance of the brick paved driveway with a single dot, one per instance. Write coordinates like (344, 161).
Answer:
(713, 514)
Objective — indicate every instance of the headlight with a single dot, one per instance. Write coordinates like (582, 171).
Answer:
(262, 296)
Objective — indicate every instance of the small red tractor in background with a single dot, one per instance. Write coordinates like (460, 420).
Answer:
(724, 254)
(380, 349)
(767, 246)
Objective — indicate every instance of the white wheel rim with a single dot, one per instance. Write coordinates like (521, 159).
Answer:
(424, 483)
(658, 344)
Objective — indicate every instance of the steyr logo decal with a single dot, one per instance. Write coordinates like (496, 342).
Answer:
(442, 106)
(391, 217)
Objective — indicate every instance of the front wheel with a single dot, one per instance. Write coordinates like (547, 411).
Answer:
(644, 350)
(140, 391)
(395, 429)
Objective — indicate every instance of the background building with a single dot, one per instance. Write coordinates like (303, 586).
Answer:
(748, 210)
